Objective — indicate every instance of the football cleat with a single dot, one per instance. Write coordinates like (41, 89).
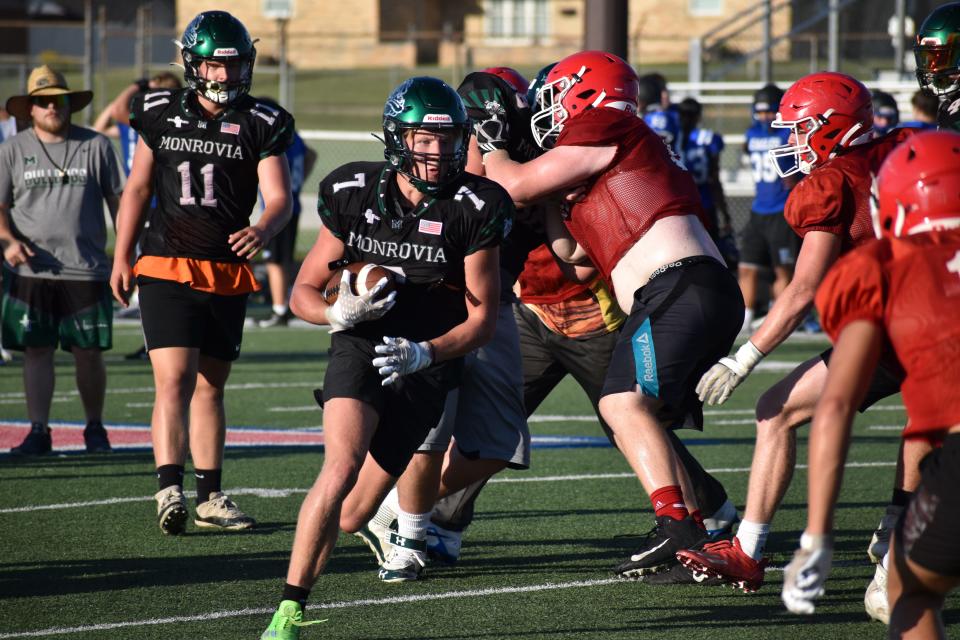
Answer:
(679, 574)
(37, 443)
(220, 512)
(725, 560)
(171, 510)
(377, 537)
(406, 560)
(443, 544)
(875, 599)
(880, 541)
(286, 622)
(95, 438)
(276, 320)
(722, 521)
(663, 542)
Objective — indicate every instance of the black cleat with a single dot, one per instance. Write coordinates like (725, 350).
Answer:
(95, 438)
(659, 552)
(37, 443)
(679, 574)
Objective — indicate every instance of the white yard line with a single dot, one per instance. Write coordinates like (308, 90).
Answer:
(238, 613)
(284, 493)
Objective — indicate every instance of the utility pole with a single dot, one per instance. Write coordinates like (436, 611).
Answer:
(766, 60)
(833, 36)
(88, 55)
(605, 26)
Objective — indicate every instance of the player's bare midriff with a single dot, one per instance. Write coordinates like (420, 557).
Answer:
(668, 240)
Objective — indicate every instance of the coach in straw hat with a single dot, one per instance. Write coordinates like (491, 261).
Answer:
(54, 180)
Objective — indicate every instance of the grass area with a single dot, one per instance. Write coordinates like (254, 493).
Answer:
(536, 564)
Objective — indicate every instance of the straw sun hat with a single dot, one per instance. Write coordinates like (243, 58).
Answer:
(44, 81)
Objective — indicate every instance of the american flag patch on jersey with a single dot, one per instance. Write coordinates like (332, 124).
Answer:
(430, 226)
(229, 127)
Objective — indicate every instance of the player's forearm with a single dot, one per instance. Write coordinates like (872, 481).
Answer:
(476, 331)
(787, 313)
(130, 218)
(276, 214)
(829, 441)
(510, 175)
(307, 303)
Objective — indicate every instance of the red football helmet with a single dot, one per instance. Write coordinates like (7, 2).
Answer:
(578, 83)
(918, 187)
(511, 76)
(826, 112)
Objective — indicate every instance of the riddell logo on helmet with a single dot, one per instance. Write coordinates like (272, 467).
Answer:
(225, 51)
(438, 117)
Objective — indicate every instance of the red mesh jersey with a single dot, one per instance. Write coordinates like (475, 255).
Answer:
(836, 197)
(643, 184)
(910, 287)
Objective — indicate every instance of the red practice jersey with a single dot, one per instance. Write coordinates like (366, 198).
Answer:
(911, 288)
(643, 184)
(836, 196)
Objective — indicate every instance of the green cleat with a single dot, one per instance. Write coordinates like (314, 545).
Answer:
(286, 623)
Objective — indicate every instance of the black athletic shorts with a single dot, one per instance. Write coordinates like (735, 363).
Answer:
(174, 315)
(408, 409)
(280, 248)
(929, 528)
(682, 322)
(768, 241)
(43, 312)
(887, 378)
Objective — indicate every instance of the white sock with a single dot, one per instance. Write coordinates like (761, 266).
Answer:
(747, 317)
(753, 538)
(388, 510)
(413, 525)
(280, 309)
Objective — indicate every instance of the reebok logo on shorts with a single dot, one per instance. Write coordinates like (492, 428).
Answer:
(645, 360)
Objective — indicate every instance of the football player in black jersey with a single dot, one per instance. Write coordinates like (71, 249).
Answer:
(393, 360)
(203, 151)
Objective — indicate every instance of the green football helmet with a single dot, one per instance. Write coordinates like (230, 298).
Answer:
(424, 103)
(218, 36)
(536, 83)
(937, 50)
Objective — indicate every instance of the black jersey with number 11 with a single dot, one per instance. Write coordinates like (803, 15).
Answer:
(205, 170)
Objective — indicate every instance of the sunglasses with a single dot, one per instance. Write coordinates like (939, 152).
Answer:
(58, 102)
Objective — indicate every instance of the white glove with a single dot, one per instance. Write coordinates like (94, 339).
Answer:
(349, 309)
(804, 577)
(718, 383)
(400, 357)
(491, 133)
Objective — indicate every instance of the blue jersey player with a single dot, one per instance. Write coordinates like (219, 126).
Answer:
(700, 151)
(767, 240)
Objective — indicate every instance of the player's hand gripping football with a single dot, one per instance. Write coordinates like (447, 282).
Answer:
(350, 309)
(804, 577)
(400, 357)
(721, 379)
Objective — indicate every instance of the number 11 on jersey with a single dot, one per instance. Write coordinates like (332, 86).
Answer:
(208, 200)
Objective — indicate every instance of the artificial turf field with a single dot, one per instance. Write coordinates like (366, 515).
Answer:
(81, 555)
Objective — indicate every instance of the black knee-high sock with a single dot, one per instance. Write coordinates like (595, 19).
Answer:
(208, 481)
(297, 594)
(169, 475)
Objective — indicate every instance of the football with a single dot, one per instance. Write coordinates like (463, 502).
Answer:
(366, 275)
